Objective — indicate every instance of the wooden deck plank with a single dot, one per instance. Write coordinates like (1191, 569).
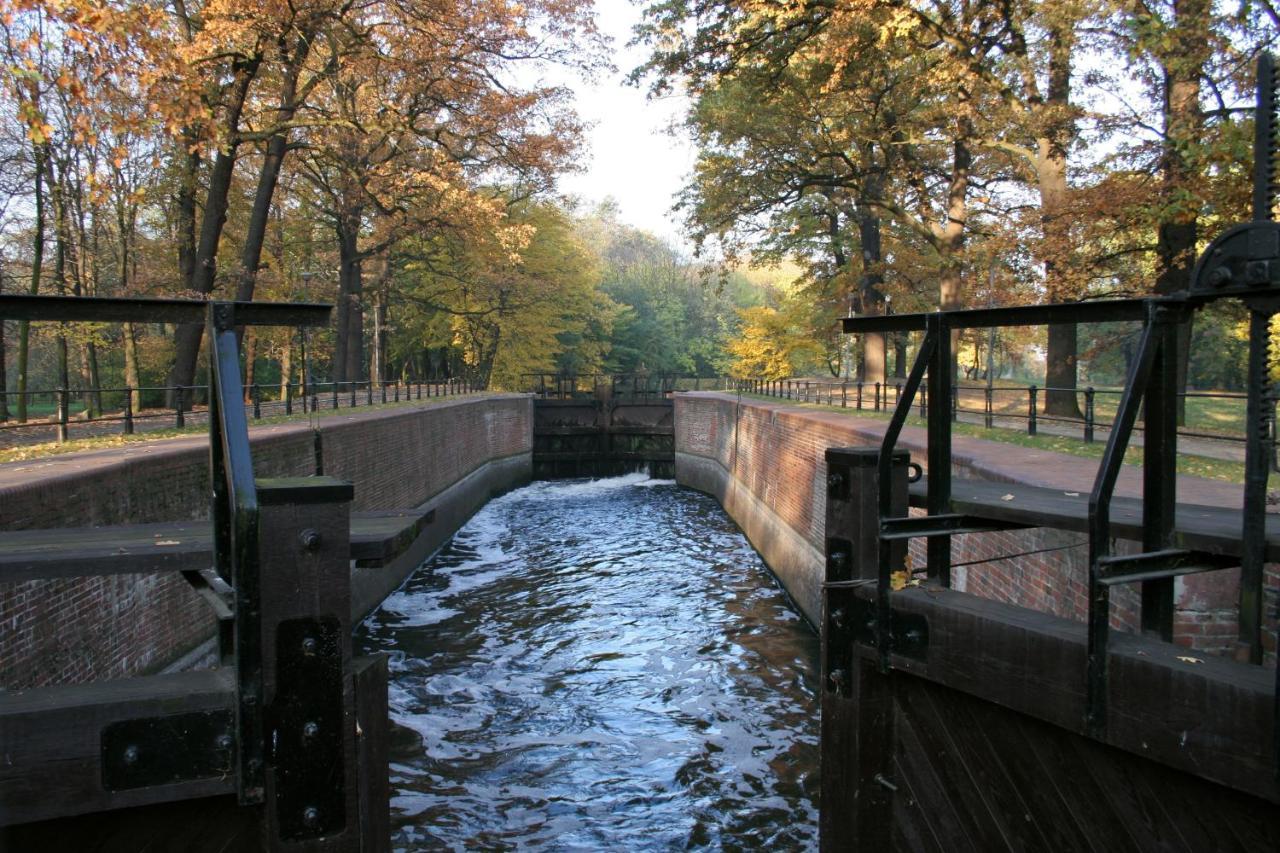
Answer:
(1205, 528)
(376, 538)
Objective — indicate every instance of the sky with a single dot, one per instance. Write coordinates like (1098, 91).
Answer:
(630, 156)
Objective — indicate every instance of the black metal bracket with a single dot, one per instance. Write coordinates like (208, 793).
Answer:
(163, 750)
(947, 524)
(854, 619)
(306, 729)
(210, 586)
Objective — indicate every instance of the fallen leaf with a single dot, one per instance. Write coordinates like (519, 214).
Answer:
(1007, 498)
(168, 542)
(1189, 660)
(899, 580)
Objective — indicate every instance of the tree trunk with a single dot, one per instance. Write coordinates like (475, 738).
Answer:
(40, 154)
(204, 266)
(269, 176)
(949, 236)
(286, 365)
(131, 378)
(1183, 65)
(250, 357)
(873, 350)
(1061, 368)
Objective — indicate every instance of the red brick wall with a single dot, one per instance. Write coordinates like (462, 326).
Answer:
(776, 452)
(66, 631)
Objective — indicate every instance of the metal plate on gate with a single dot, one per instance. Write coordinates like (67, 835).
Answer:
(307, 733)
(153, 751)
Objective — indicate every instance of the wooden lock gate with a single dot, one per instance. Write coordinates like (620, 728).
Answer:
(953, 722)
(283, 747)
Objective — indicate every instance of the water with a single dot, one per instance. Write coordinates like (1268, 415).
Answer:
(596, 665)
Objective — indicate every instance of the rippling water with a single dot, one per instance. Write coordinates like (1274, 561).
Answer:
(599, 665)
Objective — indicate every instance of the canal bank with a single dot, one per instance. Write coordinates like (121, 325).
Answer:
(764, 462)
(438, 463)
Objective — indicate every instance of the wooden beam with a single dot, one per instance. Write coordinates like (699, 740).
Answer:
(1205, 715)
(376, 539)
(53, 749)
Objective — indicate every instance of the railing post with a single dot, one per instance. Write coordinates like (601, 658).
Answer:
(987, 405)
(63, 404)
(859, 395)
(877, 396)
(1088, 414)
(923, 393)
(333, 396)
(288, 398)
(383, 387)
(844, 395)
(315, 398)
(397, 391)
(179, 403)
(1031, 410)
(255, 394)
(128, 411)
(352, 389)
(955, 404)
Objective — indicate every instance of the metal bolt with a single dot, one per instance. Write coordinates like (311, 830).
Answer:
(130, 754)
(837, 617)
(1256, 272)
(310, 539)
(883, 781)
(1219, 276)
(837, 678)
(223, 742)
(309, 646)
(835, 479)
(310, 730)
(311, 817)
(839, 559)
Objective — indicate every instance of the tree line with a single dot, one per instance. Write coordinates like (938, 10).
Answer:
(964, 153)
(399, 159)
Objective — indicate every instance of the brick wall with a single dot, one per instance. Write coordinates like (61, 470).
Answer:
(66, 631)
(775, 452)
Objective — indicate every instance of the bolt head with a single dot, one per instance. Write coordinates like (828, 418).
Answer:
(310, 729)
(131, 754)
(311, 817)
(309, 646)
(311, 539)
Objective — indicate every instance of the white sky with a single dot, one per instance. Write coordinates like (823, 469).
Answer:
(629, 154)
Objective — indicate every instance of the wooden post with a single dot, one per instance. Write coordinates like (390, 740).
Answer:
(128, 411)
(856, 802)
(313, 790)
